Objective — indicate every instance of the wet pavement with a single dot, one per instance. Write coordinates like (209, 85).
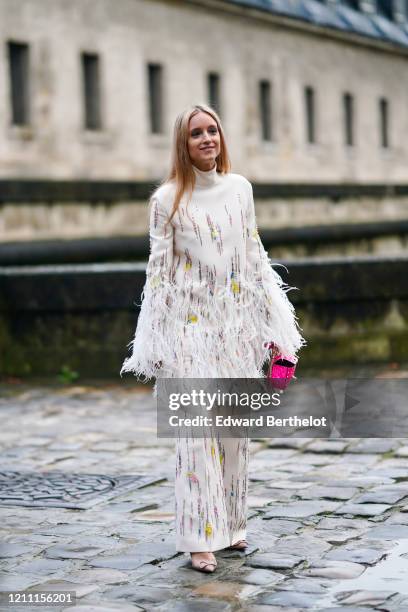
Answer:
(327, 528)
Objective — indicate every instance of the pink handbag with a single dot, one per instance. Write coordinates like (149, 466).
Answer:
(281, 369)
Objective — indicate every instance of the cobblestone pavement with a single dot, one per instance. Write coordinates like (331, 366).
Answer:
(328, 519)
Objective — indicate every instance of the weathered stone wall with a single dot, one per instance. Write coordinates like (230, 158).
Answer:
(188, 40)
(352, 311)
(43, 221)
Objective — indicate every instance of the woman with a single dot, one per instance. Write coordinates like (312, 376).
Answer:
(210, 306)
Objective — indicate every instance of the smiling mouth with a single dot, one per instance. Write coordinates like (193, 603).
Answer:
(208, 148)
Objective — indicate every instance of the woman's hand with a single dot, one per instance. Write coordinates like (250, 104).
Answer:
(274, 349)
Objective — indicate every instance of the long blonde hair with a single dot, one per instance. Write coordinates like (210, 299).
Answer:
(181, 169)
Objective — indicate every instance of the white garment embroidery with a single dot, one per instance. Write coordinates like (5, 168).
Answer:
(211, 297)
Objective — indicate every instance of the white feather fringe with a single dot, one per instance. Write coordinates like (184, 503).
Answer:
(190, 332)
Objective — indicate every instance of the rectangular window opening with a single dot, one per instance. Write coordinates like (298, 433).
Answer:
(265, 110)
(348, 110)
(385, 8)
(155, 85)
(384, 123)
(91, 91)
(310, 114)
(214, 91)
(354, 4)
(18, 54)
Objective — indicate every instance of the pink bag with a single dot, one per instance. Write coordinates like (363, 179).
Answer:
(281, 369)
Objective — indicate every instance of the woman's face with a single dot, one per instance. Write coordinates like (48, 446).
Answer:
(204, 143)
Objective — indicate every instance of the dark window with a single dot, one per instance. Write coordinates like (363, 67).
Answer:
(214, 91)
(385, 8)
(310, 114)
(265, 109)
(91, 91)
(354, 4)
(384, 122)
(348, 111)
(18, 54)
(155, 78)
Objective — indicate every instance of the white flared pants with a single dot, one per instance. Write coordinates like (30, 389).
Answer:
(211, 486)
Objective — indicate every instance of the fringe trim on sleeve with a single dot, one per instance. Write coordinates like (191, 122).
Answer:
(196, 333)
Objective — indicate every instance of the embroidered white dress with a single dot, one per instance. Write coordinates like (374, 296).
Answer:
(211, 297)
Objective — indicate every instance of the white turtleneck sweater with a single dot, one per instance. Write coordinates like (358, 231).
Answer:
(211, 298)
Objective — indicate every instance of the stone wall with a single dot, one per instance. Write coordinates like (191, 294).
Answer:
(70, 220)
(353, 311)
(189, 39)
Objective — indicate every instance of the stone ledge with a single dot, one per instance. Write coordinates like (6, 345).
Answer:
(26, 191)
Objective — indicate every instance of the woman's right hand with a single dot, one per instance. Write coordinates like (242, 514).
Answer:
(274, 349)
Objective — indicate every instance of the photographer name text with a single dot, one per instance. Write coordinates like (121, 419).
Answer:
(259, 421)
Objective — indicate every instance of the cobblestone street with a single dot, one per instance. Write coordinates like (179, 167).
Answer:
(327, 530)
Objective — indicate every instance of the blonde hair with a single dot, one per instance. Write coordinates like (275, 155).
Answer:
(181, 169)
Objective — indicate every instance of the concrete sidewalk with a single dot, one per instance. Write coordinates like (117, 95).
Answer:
(328, 519)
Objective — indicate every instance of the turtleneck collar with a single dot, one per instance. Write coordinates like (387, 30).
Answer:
(206, 178)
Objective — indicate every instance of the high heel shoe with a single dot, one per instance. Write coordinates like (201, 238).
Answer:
(202, 565)
(240, 545)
